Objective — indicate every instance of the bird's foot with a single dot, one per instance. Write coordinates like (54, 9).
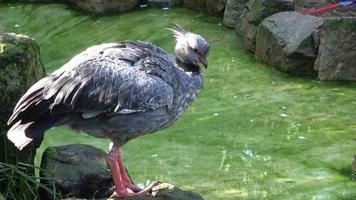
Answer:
(132, 190)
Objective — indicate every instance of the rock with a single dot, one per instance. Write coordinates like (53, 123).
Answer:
(75, 170)
(286, 40)
(234, 9)
(353, 168)
(211, 7)
(80, 171)
(337, 50)
(243, 18)
(104, 6)
(20, 67)
(164, 3)
(249, 35)
(265, 8)
(163, 191)
(255, 11)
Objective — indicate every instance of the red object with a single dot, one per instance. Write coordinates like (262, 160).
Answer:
(124, 186)
(321, 10)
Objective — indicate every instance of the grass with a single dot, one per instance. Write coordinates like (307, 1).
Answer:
(253, 133)
(20, 185)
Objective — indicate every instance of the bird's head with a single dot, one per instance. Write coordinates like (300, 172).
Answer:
(191, 48)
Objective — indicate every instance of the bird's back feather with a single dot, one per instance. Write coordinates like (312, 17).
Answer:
(109, 79)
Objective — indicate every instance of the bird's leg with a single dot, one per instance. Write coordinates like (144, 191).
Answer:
(126, 179)
(112, 161)
(123, 183)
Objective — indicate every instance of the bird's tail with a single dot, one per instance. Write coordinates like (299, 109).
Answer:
(21, 134)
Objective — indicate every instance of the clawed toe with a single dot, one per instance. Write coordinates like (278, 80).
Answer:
(126, 191)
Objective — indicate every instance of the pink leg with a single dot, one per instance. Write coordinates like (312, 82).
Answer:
(123, 184)
(125, 177)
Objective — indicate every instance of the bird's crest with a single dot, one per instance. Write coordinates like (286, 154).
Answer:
(177, 30)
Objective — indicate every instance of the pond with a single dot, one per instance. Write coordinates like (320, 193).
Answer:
(253, 132)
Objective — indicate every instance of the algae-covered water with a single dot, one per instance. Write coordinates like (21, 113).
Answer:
(253, 133)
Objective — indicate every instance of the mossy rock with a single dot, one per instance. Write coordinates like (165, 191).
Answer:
(75, 170)
(336, 55)
(20, 67)
(264, 8)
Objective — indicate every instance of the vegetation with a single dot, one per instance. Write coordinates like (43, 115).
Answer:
(20, 184)
(253, 133)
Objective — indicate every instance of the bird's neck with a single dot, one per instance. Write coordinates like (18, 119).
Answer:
(188, 67)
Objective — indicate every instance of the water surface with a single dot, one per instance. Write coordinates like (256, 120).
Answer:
(253, 133)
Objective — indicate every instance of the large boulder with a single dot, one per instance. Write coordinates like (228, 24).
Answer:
(20, 67)
(286, 40)
(75, 170)
(80, 171)
(211, 7)
(234, 11)
(104, 6)
(254, 13)
(264, 8)
(337, 50)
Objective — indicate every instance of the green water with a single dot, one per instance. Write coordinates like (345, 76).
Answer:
(253, 133)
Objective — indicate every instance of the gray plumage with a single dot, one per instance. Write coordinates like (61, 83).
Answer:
(115, 90)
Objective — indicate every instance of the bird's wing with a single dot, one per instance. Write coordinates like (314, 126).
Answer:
(121, 79)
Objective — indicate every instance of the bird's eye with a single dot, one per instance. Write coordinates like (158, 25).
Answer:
(195, 50)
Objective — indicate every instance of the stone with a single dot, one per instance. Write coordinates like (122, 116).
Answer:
(20, 67)
(211, 7)
(164, 3)
(254, 13)
(80, 171)
(163, 191)
(286, 40)
(249, 35)
(75, 170)
(337, 50)
(234, 11)
(104, 6)
(264, 8)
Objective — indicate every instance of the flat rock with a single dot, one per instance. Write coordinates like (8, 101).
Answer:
(75, 170)
(286, 40)
(80, 172)
(337, 50)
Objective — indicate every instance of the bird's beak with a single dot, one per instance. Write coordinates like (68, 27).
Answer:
(204, 61)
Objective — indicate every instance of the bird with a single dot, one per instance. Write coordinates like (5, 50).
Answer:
(117, 91)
